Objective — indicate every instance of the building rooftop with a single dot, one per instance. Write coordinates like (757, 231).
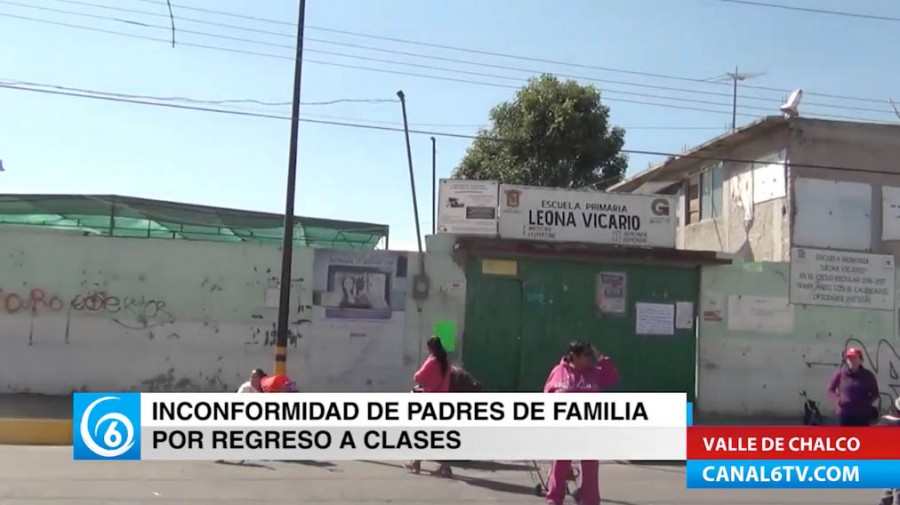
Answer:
(677, 167)
(123, 216)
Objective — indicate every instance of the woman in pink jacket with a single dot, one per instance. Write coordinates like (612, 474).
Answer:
(433, 377)
(582, 370)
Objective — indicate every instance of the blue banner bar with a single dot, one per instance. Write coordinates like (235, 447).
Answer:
(768, 474)
(690, 414)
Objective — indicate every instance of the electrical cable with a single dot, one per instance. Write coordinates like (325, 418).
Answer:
(815, 11)
(669, 155)
(436, 58)
(426, 56)
(443, 78)
(359, 67)
(504, 55)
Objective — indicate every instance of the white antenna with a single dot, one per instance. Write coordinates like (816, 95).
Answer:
(790, 109)
(735, 77)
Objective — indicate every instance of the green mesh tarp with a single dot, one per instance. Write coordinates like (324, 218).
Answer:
(119, 216)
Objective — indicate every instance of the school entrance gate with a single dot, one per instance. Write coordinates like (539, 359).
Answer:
(523, 307)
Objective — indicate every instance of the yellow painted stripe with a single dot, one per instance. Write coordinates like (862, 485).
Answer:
(280, 368)
(280, 351)
(17, 431)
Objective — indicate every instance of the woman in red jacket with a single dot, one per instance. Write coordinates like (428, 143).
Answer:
(433, 377)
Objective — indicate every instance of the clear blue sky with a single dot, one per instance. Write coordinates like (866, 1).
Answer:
(57, 144)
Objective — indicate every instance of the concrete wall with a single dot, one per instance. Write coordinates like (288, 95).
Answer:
(763, 373)
(93, 313)
(869, 152)
(754, 231)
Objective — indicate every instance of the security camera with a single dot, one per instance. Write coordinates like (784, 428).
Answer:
(790, 108)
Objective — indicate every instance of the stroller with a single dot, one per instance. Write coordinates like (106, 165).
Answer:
(811, 414)
(541, 473)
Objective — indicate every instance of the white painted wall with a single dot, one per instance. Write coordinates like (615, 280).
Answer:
(764, 373)
(93, 313)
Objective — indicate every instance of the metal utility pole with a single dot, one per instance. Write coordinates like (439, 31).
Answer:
(735, 77)
(433, 184)
(287, 247)
(412, 177)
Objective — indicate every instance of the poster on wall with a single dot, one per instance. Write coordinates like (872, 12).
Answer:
(360, 291)
(684, 315)
(467, 207)
(842, 279)
(655, 319)
(612, 292)
(565, 215)
(713, 306)
(767, 314)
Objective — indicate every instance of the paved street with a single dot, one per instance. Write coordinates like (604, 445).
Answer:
(47, 475)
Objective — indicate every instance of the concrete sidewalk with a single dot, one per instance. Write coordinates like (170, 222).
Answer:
(48, 476)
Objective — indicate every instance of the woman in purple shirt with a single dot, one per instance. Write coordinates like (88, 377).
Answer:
(854, 389)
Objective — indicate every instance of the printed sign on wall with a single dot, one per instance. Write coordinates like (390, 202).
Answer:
(842, 279)
(560, 215)
(361, 293)
(467, 207)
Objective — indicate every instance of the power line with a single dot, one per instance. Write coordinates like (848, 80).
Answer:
(27, 86)
(208, 102)
(364, 58)
(429, 132)
(407, 53)
(432, 67)
(506, 55)
(815, 11)
(443, 78)
(356, 67)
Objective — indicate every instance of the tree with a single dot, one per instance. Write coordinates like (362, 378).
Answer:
(553, 134)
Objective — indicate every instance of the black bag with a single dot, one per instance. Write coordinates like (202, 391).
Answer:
(462, 381)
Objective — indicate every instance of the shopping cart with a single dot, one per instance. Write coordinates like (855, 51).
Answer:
(540, 473)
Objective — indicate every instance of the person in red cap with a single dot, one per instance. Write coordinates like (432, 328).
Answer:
(278, 384)
(854, 390)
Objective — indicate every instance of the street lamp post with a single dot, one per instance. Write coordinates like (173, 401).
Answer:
(287, 248)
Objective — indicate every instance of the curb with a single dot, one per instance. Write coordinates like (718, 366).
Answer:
(27, 431)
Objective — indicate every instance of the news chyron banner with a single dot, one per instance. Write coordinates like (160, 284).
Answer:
(793, 457)
(379, 426)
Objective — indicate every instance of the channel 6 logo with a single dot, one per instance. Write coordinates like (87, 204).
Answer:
(106, 426)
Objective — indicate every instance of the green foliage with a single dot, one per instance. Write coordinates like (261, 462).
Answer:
(553, 134)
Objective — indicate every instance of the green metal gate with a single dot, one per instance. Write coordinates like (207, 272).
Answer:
(519, 322)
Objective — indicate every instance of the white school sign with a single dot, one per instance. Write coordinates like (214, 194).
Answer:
(842, 279)
(561, 215)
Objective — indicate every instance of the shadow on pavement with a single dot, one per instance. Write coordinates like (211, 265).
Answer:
(492, 466)
(500, 487)
(248, 464)
(306, 462)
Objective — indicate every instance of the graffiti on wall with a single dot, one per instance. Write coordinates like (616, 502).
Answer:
(32, 301)
(137, 313)
(881, 358)
(146, 312)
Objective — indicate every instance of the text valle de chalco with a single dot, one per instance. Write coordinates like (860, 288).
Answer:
(415, 413)
(812, 443)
